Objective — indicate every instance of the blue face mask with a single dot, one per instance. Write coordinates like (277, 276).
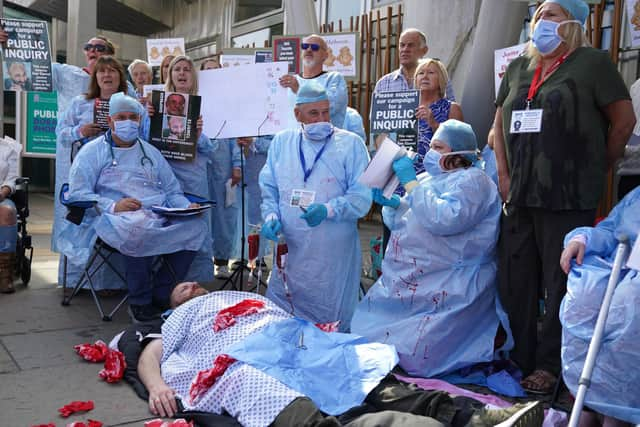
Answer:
(431, 162)
(126, 130)
(545, 35)
(318, 131)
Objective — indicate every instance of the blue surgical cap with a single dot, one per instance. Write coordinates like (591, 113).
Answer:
(577, 8)
(121, 103)
(459, 136)
(311, 92)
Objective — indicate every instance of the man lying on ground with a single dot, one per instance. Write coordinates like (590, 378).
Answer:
(290, 360)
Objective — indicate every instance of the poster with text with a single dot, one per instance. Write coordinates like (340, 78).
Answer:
(502, 59)
(174, 124)
(237, 57)
(101, 113)
(633, 15)
(40, 120)
(254, 102)
(287, 49)
(342, 49)
(263, 56)
(157, 49)
(393, 114)
(26, 56)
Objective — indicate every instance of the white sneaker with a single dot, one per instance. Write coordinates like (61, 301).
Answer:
(221, 272)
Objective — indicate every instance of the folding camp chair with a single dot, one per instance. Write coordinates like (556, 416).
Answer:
(101, 256)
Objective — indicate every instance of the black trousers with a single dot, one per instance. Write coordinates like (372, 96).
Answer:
(390, 404)
(531, 241)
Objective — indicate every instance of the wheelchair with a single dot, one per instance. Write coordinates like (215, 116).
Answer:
(24, 248)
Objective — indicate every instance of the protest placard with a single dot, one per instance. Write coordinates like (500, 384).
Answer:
(101, 113)
(244, 101)
(26, 56)
(342, 49)
(287, 49)
(502, 59)
(37, 120)
(393, 114)
(237, 56)
(157, 49)
(174, 124)
(263, 56)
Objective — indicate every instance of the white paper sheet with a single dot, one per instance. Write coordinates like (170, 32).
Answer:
(634, 257)
(379, 173)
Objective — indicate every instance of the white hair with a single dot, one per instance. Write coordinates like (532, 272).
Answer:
(139, 62)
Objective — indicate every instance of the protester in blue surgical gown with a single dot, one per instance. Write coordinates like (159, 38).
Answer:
(225, 166)
(182, 77)
(311, 193)
(314, 54)
(75, 128)
(437, 300)
(353, 123)
(126, 176)
(587, 259)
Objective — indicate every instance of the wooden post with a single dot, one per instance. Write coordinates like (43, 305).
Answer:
(339, 25)
(367, 79)
(351, 24)
(363, 53)
(397, 59)
(378, 51)
(387, 53)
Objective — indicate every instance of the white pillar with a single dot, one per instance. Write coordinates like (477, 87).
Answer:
(300, 17)
(82, 18)
(499, 25)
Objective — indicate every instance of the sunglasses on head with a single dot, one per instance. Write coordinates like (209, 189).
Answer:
(97, 47)
(314, 46)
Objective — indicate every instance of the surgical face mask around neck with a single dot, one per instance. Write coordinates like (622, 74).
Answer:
(126, 130)
(319, 131)
(546, 37)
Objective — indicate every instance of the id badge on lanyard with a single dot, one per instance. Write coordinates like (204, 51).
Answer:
(530, 120)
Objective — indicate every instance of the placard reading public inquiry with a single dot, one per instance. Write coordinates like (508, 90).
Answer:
(393, 114)
(174, 125)
(26, 56)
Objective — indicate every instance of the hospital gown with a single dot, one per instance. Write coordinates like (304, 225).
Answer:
(436, 300)
(224, 220)
(105, 174)
(615, 382)
(353, 123)
(324, 262)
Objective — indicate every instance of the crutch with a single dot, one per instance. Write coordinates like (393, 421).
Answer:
(594, 346)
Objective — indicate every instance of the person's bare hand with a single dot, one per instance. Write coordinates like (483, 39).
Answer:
(575, 249)
(4, 36)
(290, 81)
(421, 112)
(162, 401)
(127, 204)
(90, 129)
(504, 182)
(199, 125)
(244, 141)
(194, 205)
(150, 109)
(236, 176)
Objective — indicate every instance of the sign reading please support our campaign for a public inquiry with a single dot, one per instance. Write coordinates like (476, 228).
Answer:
(26, 56)
(394, 115)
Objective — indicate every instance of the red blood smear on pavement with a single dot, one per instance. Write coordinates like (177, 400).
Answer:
(114, 367)
(92, 352)
(75, 406)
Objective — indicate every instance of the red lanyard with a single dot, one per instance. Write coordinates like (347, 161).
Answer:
(537, 81)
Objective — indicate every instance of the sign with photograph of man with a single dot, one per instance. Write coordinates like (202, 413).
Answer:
(174, 125)
(26, 56)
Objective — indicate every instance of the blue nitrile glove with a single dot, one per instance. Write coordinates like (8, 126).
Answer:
(403, 167)
(270, 229)
(315, 214)
(393, 202)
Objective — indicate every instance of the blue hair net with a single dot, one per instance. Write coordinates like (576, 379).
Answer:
(577, 8)
(459, 136)
(311, 92)
(121, 103)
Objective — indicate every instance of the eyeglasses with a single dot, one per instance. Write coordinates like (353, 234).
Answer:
(97, 47)
(314, 46)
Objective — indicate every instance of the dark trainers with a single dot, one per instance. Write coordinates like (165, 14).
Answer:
(143, 313)
(519, 415)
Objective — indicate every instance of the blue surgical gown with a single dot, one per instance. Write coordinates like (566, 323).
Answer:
(353, 123)
(192, 177)
(224, 220)
(615, 382)
(324, 262)
(105, 174)
(336, 88)
(78, 113)
(437, 300)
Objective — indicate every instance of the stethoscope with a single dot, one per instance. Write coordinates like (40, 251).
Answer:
(114, 162)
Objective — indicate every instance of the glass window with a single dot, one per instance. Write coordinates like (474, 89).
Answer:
(247, 9)
(341, 9)
(257, 38)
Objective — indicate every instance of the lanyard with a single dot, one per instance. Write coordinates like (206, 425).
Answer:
(307, 172)
(538, 79)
